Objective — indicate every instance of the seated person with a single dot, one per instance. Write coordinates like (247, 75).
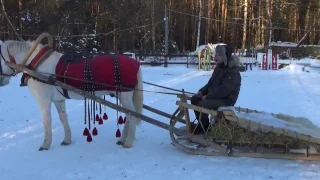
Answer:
(222, 88)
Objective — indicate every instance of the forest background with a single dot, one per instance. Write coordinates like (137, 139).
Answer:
(139, 25)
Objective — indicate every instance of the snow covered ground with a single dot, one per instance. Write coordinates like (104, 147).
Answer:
(288, 90)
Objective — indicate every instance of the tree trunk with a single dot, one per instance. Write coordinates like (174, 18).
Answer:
(244, 36)
(199, 23)
(153, 29)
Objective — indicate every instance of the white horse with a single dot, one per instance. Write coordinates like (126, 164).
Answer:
(45, 94)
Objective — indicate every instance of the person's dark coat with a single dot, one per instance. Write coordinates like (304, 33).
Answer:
(222, 88)
(225, 82)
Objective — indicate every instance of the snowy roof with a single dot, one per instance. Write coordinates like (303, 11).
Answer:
(203, 47)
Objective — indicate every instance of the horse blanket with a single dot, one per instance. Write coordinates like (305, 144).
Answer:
(103, 69)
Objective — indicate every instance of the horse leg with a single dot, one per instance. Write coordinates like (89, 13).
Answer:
(125, 131)
(43, 95)
(45, 107)
(61, 108)
(129, 130)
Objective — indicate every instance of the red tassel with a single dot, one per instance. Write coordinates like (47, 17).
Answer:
(125, 119)
(97, 117)
(86, 132)
(89, 138)
(100, 121)
(118, 133)
(105, 116)
(120, 120)
(94, 131)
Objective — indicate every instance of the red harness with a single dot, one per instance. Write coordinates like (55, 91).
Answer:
(106, 72)
(35, 62)
(99, 73)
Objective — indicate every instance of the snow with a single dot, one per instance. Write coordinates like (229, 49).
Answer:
(299, 125)
(315, 63)
(289, 91)
(286, 44)
(302, 126)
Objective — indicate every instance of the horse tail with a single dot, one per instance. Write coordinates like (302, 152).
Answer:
(138, 96)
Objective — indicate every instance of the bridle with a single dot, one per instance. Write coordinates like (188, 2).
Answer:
(12, 60)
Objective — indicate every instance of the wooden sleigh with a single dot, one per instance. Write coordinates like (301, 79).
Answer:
(231, 134)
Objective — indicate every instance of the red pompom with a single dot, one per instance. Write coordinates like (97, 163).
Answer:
(94, 131)
(86, 132)
(125, 119)
(105, 116)
(97, 117)
(100, 121)
(120, 120)
(118, 133)
(89, 138)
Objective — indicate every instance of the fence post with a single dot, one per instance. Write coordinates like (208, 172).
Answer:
(187, 61)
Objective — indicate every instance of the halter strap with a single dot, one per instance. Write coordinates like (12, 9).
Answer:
(12, 60)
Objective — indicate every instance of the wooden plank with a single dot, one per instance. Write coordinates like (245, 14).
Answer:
(186, 114)
(197, 108)
(164, 114)
(174, 115)
(180, 96)
(180, 115)
(150, 120)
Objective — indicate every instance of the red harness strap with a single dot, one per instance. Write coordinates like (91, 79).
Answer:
(35, 62)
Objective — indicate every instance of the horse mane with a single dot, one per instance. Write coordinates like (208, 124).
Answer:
(20, 46)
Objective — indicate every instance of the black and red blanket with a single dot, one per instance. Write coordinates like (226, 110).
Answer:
(102, 70)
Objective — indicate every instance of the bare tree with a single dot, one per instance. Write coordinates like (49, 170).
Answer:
(6, 15)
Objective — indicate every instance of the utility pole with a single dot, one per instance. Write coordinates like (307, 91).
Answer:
(166, 27)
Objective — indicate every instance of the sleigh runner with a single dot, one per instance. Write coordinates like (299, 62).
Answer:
(233, 132)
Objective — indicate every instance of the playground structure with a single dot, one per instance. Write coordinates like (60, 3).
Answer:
(247, 57)
(205, 56)
(270, 60)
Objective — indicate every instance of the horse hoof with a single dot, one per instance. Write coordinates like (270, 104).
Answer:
(65, 143)
(43, 149)
(126, 146)
(120, 143)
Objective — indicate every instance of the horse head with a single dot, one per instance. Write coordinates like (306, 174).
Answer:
(18, 52)
(5, 71)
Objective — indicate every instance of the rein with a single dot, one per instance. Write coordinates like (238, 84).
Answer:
(127, 88)
(167, 88)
